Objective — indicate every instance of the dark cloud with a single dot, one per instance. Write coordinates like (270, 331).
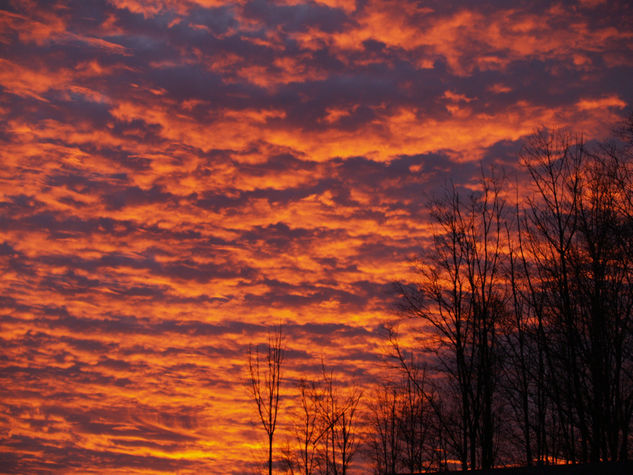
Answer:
(298, 17)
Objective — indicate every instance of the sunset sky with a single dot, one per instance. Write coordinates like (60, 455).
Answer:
(178, 176)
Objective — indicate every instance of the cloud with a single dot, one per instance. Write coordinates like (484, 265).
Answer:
(178, 177)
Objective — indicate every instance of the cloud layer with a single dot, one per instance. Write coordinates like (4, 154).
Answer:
(178, 176)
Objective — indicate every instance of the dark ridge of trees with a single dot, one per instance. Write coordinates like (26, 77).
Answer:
(526, 306)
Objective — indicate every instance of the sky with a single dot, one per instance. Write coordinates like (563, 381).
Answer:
(178, 177)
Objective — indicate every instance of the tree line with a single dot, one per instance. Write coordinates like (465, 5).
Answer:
(523, 312)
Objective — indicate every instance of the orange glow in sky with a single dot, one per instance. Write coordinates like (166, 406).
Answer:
(178, 176)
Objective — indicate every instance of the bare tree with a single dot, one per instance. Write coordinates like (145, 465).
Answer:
(309, 429)
(338, 410)
(420, 445)
(431, 439)
(384, 440)
(402, 427)
(533, 315)
(523, 370)
(460, 298)
(265, 380)
(578, 229)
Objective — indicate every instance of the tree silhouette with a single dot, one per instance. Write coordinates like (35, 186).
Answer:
(265, 384)
(402, 425)
(309, 428)
(526, 317)
(339, 412)
(459, 298)
(578, 227)
(324, 426)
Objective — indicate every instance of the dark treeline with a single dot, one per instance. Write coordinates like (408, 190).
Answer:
(522, 323)
(525, 318)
